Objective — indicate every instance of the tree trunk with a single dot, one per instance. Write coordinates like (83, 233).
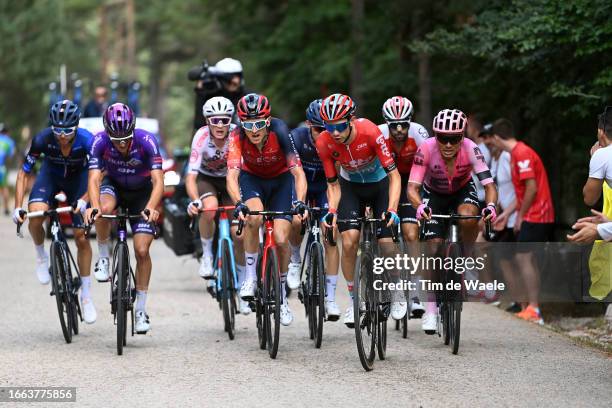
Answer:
(357, 13)
(424, 109)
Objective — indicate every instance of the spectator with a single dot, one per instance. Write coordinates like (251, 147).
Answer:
(535, 219)
(7, 150)
(96, 106)
(474, 128)
(224, 79)
(590, 229)
(600, 167)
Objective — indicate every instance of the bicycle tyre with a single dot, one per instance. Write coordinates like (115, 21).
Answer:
(58, 281)
(404, 324)
(272, 302)
(454, 301)
(317, 294)
(365, 321)
(122, 278)
(227, 290)
(381, 337)
(259, 310)
(455, 316)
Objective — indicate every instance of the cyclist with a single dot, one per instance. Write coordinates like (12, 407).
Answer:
(443, 167)
(264, 171)
(304, 138)
(368, 175)
(125, 169)
(404, 137)
(7, 150)
(206, 180)
(65, 147)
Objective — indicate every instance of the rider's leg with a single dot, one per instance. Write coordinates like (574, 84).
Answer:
(251, 238)
(350, 244)
(332, 261)
(35, 226)
(108, 202)
(142, 244)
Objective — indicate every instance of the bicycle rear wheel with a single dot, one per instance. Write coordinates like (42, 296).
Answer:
(227, 291)
(122, 276)
(272, 302)
(58, 281)
(381, 335)
(316, 314)
(365, 311)
(454, 302)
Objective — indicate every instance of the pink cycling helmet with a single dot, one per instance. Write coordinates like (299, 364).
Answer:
(397, 108)
(450, 121)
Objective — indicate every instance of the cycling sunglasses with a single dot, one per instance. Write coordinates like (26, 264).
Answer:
(219, 120)
(318, 128)
(255, 126)
(453, 140)
(57, 130)
(397, 126)
(121, 138)
(339, 127)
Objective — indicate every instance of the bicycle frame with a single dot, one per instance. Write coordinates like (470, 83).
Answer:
(225, 235)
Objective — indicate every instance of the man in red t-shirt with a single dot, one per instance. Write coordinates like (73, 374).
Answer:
(536, 216)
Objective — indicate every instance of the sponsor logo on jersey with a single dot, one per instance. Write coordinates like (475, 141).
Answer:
(524, 165)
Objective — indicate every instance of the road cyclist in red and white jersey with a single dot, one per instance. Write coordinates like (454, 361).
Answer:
(205, 182)
(368, 176)
(404, 137)
(264, 171)
(441, 183)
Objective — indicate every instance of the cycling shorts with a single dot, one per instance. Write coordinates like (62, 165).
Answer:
(356, 196)
(276, 194)
(406, 211)
(133, 200)
(209, 186)
(47, 186)
(316, 195)
(446, 204)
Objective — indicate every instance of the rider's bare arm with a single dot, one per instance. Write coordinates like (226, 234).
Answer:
(233, 189)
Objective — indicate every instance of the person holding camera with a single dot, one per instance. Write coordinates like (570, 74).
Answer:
(223, 79)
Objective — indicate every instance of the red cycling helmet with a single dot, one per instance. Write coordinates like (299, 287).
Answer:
(253, 106)
(450, 121)
(337, 107)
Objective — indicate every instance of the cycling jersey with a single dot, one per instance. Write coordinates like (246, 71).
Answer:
(366, 159)
(429, 167)
(277, 156)
(526, 164)
(58, 165)
(311, 163)
(404, 156)
(206, 158)
(129, 172)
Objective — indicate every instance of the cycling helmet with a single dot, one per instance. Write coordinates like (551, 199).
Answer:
(119, 121)
(337, 107)
(313, 113)
(397, 108)
(228, 66)
(253, 106)
(64, 114)
(450, 121)
(218, 106)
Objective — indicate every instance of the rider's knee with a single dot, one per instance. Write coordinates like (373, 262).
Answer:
(107, 208)
(349, 247)
(141, 251)
(208, 216)
(81, 241)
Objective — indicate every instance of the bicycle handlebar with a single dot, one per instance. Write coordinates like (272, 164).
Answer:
(489, 234)
(265, 214)
(42, 213)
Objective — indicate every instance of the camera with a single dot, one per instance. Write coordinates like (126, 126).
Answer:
(204, 73)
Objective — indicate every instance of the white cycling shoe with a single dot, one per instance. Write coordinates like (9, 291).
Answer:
(244, 307)
(142, 322)
(42, 271)
(349, 317)
(293, 275)
(429, 323)
(247, 291)
(89, 311)
(206, 268)
(286, 316)
(101, 270)
(332, 310)
(398, 310)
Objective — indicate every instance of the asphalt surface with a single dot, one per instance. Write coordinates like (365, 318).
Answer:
(187, 359)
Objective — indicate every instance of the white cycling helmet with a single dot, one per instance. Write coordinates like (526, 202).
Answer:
(228, 66)
(397, 108)
(218, 106)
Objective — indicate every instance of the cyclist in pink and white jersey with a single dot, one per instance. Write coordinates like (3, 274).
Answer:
(443, 167)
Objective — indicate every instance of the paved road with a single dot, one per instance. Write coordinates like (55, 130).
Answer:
(187, 359)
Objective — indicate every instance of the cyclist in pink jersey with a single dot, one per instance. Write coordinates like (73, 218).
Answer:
(443, 167)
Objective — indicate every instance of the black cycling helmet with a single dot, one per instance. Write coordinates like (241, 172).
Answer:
(64, 114)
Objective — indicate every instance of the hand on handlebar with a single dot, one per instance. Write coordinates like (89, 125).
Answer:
(80, 207)
(91, 215)
(19, 216)
(423, 212)
(301, 209)
(194, 207)
(329, 219)
(489, 213)
(391, 217)
(150, 215)
(241, 211)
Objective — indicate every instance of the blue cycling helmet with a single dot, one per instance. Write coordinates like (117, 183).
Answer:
(313, 113)
(64, 114)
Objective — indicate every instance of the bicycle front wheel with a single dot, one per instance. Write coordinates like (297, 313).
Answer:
(123, 297)
(227, 290)
(316, 314)
(272, 302)
(58, 282)
(365, 311)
